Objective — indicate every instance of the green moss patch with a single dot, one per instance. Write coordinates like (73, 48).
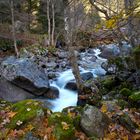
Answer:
(25, 111)
(125, 92)
(135, 96)
(63, 126)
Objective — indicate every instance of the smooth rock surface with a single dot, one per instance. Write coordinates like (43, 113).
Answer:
(12, 93)
(93, 122)
(25, 74)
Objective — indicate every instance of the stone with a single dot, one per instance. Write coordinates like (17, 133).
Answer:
(86, 76)
(62, 54)
(93, 122)
(12, 93)
(52, 93)
(71, 85)
(25, 74)
(110, 51)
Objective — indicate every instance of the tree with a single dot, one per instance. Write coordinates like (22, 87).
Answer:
(70, 37)
(13, 28)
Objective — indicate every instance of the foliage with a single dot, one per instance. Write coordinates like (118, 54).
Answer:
(125, 92)
(135, 96)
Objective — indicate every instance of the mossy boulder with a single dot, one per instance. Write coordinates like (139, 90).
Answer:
(108, 82)
(135, 97)
(125, 92)
(75, 114)
(63, 126)
(25, 110)
(136, 53)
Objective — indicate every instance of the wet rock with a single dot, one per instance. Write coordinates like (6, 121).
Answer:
(94, 122)
(52, 93)
(52, 64)
(62, 54)
(25, 74)
(110, 51)
(91, 51)
(71, 85)
(86, 76)
(12, 93)
(52, 75)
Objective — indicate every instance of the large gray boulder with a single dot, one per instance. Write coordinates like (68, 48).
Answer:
(11, 92)
(93, 122)
(110, 51)
(25, 73)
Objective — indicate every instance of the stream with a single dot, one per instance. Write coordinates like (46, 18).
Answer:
(68, 97)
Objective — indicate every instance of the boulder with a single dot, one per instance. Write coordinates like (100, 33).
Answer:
(12, 93)
(62, 54)
(93, 122)
(71, 85)
(25, 74)
(52, 93)
(86, 76)
(110, 51)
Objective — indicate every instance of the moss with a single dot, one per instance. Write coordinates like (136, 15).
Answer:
(125, 85)
(108, 82)
(76, 122)
(125, 92)
(135, 96)
(25, 111)
(122, 103)
(136, 50)
(118, 62)
(57, 119)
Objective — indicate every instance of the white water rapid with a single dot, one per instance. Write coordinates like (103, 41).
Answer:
(68, 97)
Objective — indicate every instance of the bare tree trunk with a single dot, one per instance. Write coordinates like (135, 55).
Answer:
(49, 21)
(29, 13)
(75, 68)
(71, 49)
(53, 23)
(128, 7)
(13, 28)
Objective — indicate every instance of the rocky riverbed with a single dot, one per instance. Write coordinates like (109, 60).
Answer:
(113, 98)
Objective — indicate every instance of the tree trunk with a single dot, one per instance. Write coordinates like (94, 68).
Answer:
(53, 23)
(75, 68)
(29, 13)
(13, 28)
(49, 22)
(128, 8)
(72, 57)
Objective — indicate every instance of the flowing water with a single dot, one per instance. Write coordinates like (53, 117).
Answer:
(68, 97)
